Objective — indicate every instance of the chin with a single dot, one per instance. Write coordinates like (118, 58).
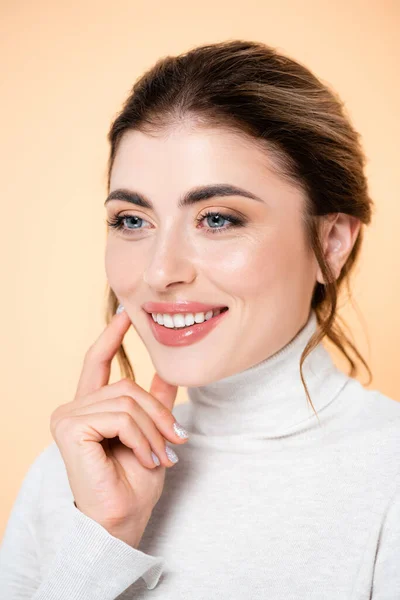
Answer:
(188, 380)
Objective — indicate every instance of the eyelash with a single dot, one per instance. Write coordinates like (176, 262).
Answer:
(117, 222)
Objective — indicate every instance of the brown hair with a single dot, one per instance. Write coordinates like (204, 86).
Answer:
(256, 91)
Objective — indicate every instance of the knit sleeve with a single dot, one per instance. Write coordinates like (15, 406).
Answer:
(89, 563)
(386, 580)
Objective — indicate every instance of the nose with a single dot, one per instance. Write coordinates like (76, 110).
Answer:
(171, 261)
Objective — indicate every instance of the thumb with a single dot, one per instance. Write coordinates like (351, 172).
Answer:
(164, 392)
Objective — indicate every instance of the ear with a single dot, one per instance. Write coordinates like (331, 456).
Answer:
(339, 233)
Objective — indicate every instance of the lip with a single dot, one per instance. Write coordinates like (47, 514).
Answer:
(184, 336)
(179, 307)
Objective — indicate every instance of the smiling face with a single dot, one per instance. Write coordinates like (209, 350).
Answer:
(252, 256)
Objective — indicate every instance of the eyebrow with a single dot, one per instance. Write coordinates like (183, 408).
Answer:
(197, 194)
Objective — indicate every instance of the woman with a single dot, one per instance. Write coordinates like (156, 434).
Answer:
(237, 197)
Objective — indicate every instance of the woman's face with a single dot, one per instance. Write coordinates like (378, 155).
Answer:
(259, 268)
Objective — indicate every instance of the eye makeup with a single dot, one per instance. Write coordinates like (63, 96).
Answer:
(117, 222)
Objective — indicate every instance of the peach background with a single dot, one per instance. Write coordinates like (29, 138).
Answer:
(66, 69)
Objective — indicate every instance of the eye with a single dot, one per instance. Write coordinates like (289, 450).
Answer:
(118, 222)
(217, 216)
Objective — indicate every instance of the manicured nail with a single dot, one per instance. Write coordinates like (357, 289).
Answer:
(171, 454)
(180, 431)
(120, 309)
(156, 459)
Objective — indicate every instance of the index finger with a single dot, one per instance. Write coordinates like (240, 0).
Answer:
(97, 362)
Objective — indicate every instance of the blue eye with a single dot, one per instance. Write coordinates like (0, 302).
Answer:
(232, 219)
(117, 222)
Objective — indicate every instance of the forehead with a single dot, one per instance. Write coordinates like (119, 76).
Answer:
(182, 158)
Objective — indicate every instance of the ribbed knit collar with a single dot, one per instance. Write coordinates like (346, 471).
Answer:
(268, 399)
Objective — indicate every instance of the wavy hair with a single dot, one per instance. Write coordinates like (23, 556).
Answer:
(256, 91)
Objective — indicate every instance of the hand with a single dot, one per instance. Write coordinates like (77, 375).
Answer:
(106, 436)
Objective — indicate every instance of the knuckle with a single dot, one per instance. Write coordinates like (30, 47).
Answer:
(60, 426)
(52, 425)
(163, 413)
(94, 353)
(126, 420)
(90, 352)
(126, 403)
(55, 417)
(126, 386)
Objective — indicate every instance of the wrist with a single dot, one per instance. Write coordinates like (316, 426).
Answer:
(129, 534)
(129, 531)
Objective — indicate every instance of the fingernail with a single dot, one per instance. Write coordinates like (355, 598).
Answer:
(171, 454)
(120, 309)
(156, 459)
(180, 431)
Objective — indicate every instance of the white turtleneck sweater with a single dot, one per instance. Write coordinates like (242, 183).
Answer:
(263, 503)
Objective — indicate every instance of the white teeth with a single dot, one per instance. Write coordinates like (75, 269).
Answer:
(183, 319)
(189, 319)
(174, 321)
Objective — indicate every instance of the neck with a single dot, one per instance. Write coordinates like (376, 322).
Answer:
(268, 399)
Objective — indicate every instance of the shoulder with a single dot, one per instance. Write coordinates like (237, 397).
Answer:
(373, 407)
(369, 421)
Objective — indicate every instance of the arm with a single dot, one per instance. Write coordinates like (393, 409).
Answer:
(386, 581)
(90, 563)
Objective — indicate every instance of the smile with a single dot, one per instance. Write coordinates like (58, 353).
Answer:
(184, 329)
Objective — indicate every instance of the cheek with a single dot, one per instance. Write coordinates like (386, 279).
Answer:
(268, 266)
(243, 270)
(121, 272)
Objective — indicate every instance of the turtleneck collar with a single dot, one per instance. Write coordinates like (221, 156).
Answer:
(267, 400)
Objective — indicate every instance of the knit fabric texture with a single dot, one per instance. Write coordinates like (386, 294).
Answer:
(266, 501)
